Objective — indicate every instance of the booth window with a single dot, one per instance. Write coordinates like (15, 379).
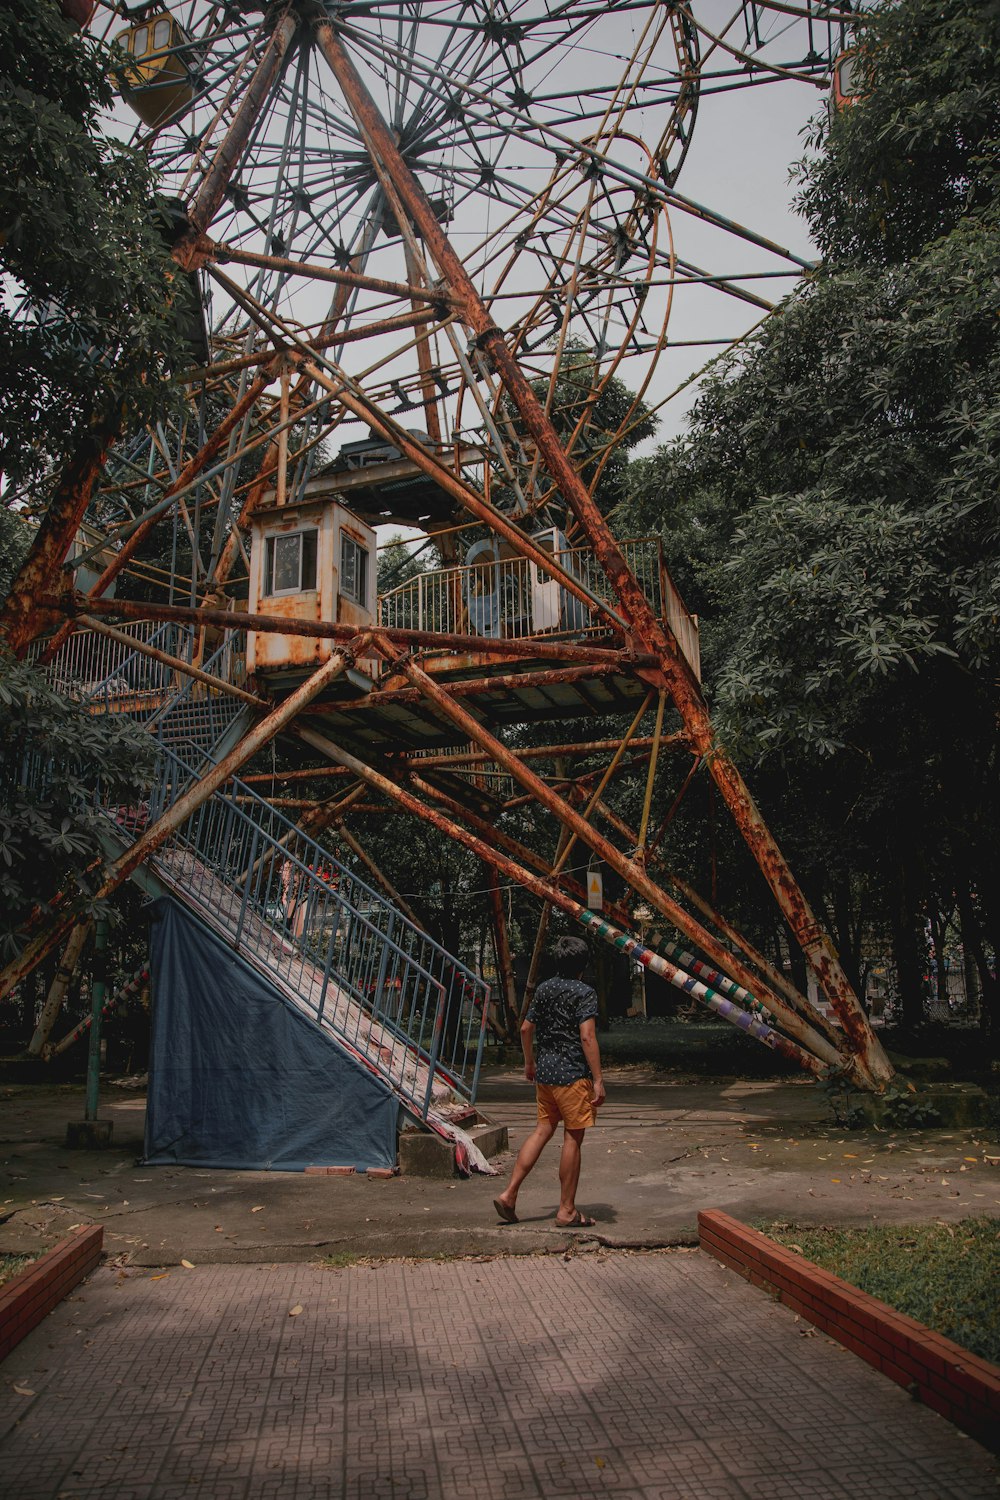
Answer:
(353, 569)
(290, 563)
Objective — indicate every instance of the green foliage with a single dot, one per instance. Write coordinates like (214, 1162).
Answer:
(13, 1265)
(85, 313)
(921, 150)
(53, 756)
(399, 561)
(834, 516)
(902, 1106)
(15, 539)
(611, 419)
(600, 417)
(944, 1276)
(843, 1103)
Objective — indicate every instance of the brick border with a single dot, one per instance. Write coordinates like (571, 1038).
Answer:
(30, 1296)
(943, 1375)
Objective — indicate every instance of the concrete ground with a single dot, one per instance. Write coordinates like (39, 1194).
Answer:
(655, 1376)
(664, 1148)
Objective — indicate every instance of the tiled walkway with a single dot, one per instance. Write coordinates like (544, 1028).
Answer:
(658, 1377)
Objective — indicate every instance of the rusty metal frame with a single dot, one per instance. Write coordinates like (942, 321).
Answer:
(651, 653)
(672, 670)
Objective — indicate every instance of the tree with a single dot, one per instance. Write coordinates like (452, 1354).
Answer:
(89, 299)
(836, 500)
(54, 755)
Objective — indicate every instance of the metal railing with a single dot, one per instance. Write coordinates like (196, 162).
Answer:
(107, 674)
(197, 715)
(350, 959)
(511, 598)
(415, 1014)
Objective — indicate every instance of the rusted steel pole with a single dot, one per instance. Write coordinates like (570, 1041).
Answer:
(178, 665)
(521, 647)
(384, 150)
(127, 991)
(673, 670)
(344, 336)
(260, 735)
(212, 250)
(428, 389)
(545, 891)
(343, 833)
(501, 948)
(347, 396)
(189, 472)
(230, 151)
(672, 810)
(22, 619)
(773, 976)
(775, 981)
(528, 858)
(516, 850)
(541, 934)
(563, 855)
(472, 686)
(647, 801)
(630, 870)
(546, 752)
(60, 984)
(469, 758)
(157, 835)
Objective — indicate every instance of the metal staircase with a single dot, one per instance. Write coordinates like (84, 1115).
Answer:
(394, 999)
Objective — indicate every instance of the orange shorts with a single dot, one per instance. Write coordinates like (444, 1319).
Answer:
(571, 1102)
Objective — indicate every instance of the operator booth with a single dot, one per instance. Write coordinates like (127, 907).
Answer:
(314, 560)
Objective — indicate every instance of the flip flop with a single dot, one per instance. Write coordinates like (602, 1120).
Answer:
(578, 1221)
(507, 1214)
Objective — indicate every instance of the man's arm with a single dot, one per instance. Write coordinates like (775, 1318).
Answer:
(528, 1048)
(592, 1052)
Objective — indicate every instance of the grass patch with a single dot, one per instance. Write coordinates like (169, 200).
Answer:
(13, 1265)
(943, 1275)
(340, 1260)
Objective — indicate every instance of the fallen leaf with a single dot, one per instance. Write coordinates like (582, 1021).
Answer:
(834, 1179)
(293, 1312)
(259, 1209)
(188, 1265)
(599, 1461)
(24, 1390)
(162, 1276)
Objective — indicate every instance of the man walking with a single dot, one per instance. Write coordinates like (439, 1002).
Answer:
(567, 1078)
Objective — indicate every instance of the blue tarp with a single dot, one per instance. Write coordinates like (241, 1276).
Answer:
(239, 1078)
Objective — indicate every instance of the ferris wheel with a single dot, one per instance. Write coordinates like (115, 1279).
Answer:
(546, 140)
(427, 242)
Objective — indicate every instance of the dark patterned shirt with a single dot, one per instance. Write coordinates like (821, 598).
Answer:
(559, 1007)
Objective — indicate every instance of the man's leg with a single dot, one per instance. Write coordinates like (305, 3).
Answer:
(526, 1158)
(569, 1173)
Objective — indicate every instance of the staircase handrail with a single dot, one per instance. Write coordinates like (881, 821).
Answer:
(279, 902)
(65, 666)
(323, 855)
